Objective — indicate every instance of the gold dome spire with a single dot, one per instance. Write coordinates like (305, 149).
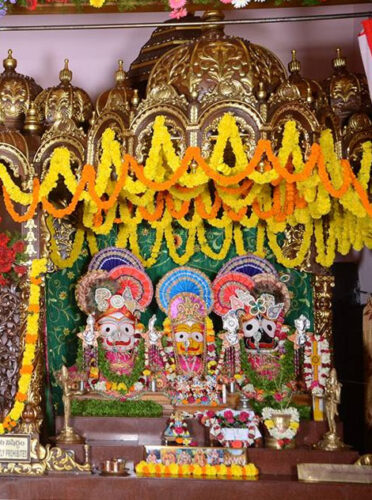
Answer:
(294, 65)
(64, 101)
(65, 75)
(117, 98)
(10, 62)
(16, 93)
(339, 61)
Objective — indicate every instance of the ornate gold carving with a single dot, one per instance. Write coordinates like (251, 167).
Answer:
(10, 346)
(43, 460)
(117, 98)
(322, 296)
(16, 93)
(344, 88)
(292, 242)
(64, 101)
(145, 137)
(248, 135)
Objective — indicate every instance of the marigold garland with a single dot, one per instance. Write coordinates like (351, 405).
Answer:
(289, 189)
(38, 267)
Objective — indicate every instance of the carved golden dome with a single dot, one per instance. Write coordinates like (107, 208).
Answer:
(308, 89)
(16, 93)
(161, 41)
(64, 101)
(119, 97)
(215, 65)
(343, 88)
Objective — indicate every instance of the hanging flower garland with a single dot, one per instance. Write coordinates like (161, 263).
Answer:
(38, 267)
(321, 193)
(317, 364)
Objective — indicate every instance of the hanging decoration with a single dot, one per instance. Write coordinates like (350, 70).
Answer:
(321, 195)
(38, 267)
(317, 364)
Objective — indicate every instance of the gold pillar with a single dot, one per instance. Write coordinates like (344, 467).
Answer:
(322, 296)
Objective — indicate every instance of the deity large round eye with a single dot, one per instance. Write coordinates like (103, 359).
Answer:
(197, 336)
(107, 329)
(127, 329)
(250, 327)
(181, 336)
(268, 327)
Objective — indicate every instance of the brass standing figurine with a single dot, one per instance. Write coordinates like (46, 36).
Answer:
(67, 434)
(331, 441)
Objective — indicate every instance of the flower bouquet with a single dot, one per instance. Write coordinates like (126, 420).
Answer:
(232, 428)
(11, 257)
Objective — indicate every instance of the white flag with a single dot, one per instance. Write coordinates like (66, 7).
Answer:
(365, 44)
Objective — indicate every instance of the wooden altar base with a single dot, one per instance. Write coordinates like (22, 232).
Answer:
(133, 488)
(112, 437)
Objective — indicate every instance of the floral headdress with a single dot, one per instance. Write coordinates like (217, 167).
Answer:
(116, 281)
(252, 286)
(185, 294)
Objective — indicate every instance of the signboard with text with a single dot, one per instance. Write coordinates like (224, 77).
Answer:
(15, 448)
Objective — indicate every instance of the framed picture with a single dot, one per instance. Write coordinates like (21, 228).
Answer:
(202, 456)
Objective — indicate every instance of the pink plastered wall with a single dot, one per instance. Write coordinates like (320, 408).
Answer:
(93, 54)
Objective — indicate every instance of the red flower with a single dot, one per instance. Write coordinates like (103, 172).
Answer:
(18, 247)
(278, 396)
(3, 281)
(20, 270)
(228, 414)
(210, 414)
(243, 417)
(6, 259)
(3, 240)
(31, 4)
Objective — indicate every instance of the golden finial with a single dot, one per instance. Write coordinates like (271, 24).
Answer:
(92, 120)
(261, 94)
(135, 98)
(32, 123)
(309, 96)
(194, 91)
(65, 75)
(295, 65)
(120, 75)
(339, 61)
(10, 62)
(211, 16)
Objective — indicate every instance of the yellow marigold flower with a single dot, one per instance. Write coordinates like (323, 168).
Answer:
(96, 3)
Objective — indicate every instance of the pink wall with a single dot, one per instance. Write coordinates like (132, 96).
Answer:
(93, 54)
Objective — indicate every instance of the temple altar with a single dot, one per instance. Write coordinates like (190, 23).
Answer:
(166, 311)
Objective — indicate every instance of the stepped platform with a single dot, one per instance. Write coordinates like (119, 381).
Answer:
(112, 437)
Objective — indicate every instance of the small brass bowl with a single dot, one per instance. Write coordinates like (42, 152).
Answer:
(114, 467)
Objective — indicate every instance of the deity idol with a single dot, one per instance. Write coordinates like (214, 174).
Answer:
(113, 293)
(186, 297)
(249, 289)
